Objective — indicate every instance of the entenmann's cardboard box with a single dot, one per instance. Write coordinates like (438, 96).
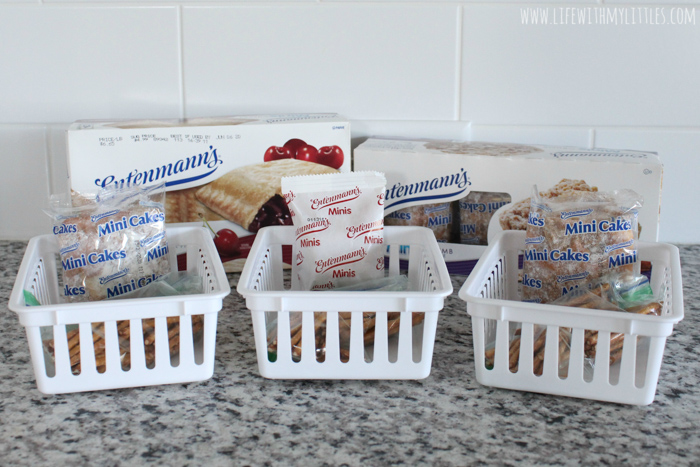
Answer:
(226, 170)
(469, 191)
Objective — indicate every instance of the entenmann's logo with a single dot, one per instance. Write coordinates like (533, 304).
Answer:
(207, 159)
(355, 231)
(312, 227)
(341, 260)
(430, 189)
(349, 195)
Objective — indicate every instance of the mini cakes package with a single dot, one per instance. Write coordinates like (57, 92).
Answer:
(111, 244)
(468, 192)
(576, 239)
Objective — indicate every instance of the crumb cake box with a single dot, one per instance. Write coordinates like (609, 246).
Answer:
(467, 192)
(225, 170)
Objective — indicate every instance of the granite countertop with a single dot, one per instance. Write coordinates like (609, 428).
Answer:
(240, 418)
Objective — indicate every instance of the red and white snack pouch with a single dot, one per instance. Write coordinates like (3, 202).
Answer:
(339, 228)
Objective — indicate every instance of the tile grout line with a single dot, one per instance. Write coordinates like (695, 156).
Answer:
(48, 160)
(458, 59)
(181, 60)
(238, 3)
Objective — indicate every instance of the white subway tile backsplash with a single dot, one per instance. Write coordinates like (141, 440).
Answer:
(680, 154)
(378, 61)
(454, 69)
(66, 63)
(24, 188)
(560, 136)
(460, 1)
(576, 74)
(57, 158)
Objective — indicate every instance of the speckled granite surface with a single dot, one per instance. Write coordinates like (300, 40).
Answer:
(239, 418)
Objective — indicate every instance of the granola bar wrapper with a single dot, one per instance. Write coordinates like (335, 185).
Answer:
(339, 228)
(575, 239)
(111, 243)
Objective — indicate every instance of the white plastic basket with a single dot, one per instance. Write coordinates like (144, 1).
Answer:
(38, 274)
(407, 355)
(492, 297)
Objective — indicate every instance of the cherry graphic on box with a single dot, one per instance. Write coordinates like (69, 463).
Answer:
(274, 153)
(293, 145)
(295, 148)
(227, 243)
(332, 156)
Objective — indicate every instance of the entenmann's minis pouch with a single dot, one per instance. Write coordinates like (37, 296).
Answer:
(339, 228)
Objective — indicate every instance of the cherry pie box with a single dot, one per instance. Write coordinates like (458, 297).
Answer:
(225, 170)
(468, 192)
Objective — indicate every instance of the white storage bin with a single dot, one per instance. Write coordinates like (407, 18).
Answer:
(39, 275)
(406, 355)
(492, 297)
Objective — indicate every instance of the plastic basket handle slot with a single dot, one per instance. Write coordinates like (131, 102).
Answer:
(112, 349)
(186, 341)
(308, 337)
(628, 362)
(61, 351)
(162, 343)
(576, 353)
(284, 339)
(332, 338)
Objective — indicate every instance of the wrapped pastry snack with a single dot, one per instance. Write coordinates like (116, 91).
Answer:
(575, 239)
(625, 293)
(338, 219)
(112, 243)
(475, 212)
(515, 217)
(124, 333)
(398, 283)
(174, 283)
(437, 217)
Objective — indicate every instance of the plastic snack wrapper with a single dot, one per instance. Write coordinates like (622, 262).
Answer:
(339, 246)
(112, 243)
(173, 283)
(626, 292)
(438, 217)
(391, 284)
(339, 228)
(575, 239)
(623, 292)
(124, 333)
(475, 213)
(540, 336)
